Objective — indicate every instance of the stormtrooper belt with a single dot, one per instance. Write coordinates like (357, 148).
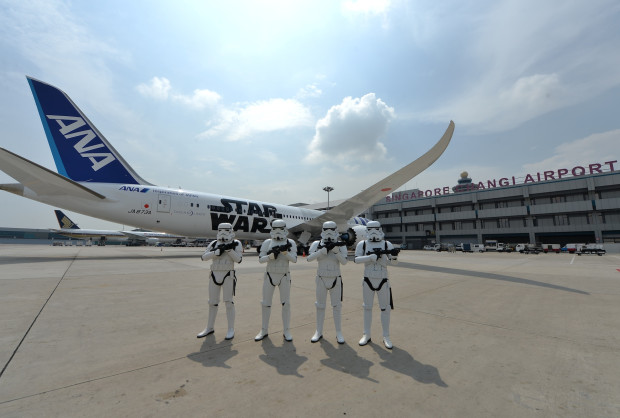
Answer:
(271, 281)
(224, 279)
(371, 287)
(334, 285)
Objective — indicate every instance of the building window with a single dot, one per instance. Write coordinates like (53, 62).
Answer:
(457, 225)
(503, 223)
(576, 197)
(560, 220)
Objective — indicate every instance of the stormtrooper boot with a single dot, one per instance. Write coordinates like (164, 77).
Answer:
(385, 323)
(230, 315)
(209, 329)
(320, 318)
(367, 322)
(263, 332)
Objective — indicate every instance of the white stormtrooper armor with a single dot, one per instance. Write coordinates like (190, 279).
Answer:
(328, 277)
(224, 253)
(277, 252)
(376, 279)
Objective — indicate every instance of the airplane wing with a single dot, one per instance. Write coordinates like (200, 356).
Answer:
(363, 200)
(40, 180)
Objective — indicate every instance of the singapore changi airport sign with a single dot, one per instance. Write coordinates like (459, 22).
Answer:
(561, 173)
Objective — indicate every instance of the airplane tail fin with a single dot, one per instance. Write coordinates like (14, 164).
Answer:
(80, 151)
(64, 221)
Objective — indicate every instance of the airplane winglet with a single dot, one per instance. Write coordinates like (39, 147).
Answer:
(40, 180)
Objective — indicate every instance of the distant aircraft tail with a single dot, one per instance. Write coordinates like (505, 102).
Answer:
(64, 221)
(80, 151)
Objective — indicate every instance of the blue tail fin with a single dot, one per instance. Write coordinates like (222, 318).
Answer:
(80, 152)
(64, 221)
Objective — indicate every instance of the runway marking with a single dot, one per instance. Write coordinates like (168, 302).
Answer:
(572, 259)
(37, 316)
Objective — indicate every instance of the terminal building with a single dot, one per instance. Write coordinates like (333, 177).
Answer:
(578, 205)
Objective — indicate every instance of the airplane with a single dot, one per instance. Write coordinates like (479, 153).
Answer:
(95, 180)
(70, 229)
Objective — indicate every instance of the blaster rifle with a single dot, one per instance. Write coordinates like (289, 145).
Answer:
(223, 247)
(279, 249)
(379, 252)
(330, 245)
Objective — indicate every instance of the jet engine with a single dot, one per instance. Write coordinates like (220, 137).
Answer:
(354, 235)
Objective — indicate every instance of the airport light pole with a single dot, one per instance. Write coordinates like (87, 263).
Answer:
(328, 189)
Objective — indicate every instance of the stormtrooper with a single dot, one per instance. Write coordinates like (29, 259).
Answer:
(330, 253)
(277, 252)
(376, 254)
(225, 251)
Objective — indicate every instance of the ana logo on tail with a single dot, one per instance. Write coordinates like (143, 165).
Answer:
(98, 159)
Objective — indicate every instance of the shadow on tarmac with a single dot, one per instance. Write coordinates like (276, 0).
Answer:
(285, 358)
(402, 362)
(213, 354)
(344, 359)
(483, 275)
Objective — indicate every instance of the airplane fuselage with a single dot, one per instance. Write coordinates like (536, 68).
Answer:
(181, 212)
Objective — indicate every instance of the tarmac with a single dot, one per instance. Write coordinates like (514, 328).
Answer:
(111, 331)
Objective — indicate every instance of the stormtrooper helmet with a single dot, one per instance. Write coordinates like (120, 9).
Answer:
(330, 233)
(225, 233)
(375, 233)
(278, 230)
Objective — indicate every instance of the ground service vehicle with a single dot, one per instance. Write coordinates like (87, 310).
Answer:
(591, 249)
(547, 248)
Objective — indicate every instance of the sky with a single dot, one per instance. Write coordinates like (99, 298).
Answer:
(274, 100)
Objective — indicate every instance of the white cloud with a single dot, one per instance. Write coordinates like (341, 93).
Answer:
(507, 105)
(595, 148)
(241, 120)
(262, 116)
(524, 64)
(351, 131)
(311, 90)
(200, 99)
(159, 88)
